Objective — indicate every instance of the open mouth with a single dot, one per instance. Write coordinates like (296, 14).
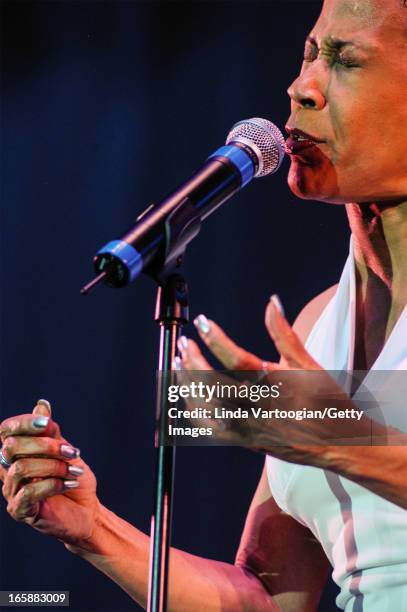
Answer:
(298, 141)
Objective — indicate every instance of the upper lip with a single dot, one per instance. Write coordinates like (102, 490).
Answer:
(296, 133)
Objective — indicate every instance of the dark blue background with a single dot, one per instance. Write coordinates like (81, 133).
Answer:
(105, 107)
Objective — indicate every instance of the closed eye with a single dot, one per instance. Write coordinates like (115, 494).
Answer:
(334, 50)
(347, 61)
(310, 52)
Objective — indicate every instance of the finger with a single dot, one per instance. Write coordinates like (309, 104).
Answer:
(42, 408)
(192, 358)
(15, 447)
(25, 505)
(286, 340)
(3, 473)
(271, 366)
(232, 356)
(29, 425)
(23, 470)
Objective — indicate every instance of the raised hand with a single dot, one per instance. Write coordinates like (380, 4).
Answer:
(300, 440)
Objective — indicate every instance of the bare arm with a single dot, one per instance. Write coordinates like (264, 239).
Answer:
(37, 491)
(279, 565)
(122, 552)
(283, 554)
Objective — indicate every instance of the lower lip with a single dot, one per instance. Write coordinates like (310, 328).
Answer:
(295, 147)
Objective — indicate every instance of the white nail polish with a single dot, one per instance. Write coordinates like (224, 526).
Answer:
(277, 303)
(183, 343)
(71, 484)
(177, 364)
(203, 324)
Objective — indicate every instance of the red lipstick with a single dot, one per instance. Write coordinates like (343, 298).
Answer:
(298, 141)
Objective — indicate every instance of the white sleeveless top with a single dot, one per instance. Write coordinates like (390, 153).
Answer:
(363, 535)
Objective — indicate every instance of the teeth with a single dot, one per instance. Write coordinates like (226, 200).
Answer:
(299, 138)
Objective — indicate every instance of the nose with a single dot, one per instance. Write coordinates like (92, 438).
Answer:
(306, 92)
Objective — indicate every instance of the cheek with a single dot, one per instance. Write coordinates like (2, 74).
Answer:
(369, 135)
(371, 157)
(362, 154)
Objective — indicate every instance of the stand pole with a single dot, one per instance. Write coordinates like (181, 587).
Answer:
(171, 313)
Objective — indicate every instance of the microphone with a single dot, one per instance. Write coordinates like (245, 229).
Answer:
(254, 147)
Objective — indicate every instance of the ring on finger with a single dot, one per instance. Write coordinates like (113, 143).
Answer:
(3, 461)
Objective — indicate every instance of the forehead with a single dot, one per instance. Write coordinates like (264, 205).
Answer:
(362, 10)
(382, 17)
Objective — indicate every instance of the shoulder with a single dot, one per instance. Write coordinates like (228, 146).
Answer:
(311, 312)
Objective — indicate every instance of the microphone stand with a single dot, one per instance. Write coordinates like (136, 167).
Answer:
(171, 313)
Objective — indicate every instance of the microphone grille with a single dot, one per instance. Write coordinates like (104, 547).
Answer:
(264, 139)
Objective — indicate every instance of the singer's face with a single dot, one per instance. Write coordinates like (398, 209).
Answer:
(351, 94)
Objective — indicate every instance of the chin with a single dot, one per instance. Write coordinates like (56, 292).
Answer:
(310, 182)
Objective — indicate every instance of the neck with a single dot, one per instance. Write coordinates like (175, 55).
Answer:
(380, 240)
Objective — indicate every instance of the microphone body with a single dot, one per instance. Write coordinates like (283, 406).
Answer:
(163, 230)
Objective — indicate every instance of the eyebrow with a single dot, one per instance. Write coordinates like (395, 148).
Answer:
(337, 43)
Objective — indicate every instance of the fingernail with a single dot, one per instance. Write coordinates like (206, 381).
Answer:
(71, 484)
(203, 324)
(182, 343)
(177, 363)
(277, 303)
(45, 403)
(40, 422)
(69, 451)
(75, 470)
